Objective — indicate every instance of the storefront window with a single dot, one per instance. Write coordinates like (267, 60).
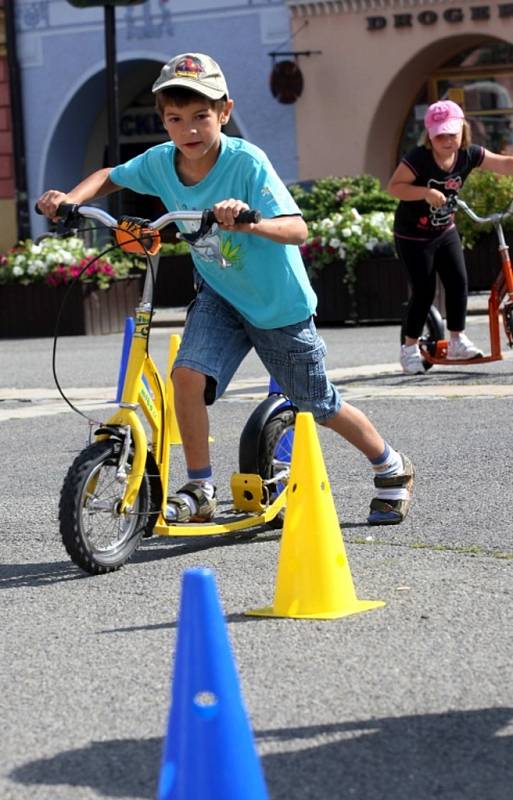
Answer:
(481, 81)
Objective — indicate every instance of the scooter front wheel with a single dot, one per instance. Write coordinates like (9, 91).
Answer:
(97, 536)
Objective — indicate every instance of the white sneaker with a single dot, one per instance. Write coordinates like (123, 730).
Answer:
(411, 359)
(462, 348)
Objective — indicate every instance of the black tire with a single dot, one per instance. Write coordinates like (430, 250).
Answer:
(433, 331)
(92, 479)
(507, 317)
(275, 453)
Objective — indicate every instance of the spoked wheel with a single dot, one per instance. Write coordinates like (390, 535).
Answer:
(96, 535)
(275, 455)
(433, 331)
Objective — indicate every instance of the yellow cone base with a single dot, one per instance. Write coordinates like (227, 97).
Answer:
(356, 608)
(313, 578)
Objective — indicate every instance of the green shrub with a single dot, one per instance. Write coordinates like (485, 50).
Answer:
(485, 193)
(328, 196)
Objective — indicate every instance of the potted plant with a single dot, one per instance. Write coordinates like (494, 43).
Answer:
(99, 291)
(349, 254)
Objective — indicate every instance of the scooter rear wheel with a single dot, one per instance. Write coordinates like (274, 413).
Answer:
(433, 331)
(96, 535)
(275, 455)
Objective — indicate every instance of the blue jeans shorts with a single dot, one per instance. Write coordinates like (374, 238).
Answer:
(216, 338)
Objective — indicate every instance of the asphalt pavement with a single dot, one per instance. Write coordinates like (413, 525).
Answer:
(411, 700)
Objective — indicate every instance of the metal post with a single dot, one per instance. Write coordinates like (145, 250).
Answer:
(112, 98)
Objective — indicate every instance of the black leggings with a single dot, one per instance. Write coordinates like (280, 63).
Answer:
(443, 255)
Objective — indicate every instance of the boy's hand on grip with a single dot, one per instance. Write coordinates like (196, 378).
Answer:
(49, 203)
(234, 214)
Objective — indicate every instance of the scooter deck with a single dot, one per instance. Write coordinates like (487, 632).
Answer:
(229, 521)
(454, 362)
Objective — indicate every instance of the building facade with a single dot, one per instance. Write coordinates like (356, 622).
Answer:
(382, 62)
(61, 52)
(7, 183)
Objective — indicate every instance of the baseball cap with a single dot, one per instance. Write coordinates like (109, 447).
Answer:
(443, 117)
(193, 71)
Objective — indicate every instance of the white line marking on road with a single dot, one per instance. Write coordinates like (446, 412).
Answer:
(40, 402)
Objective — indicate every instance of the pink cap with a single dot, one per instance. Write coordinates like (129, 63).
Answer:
(443, 117)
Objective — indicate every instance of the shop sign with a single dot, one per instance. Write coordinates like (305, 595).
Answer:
(429, 17)
(141, 124)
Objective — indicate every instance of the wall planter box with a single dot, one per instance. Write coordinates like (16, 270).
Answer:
(31, 311)
(381, 291)
(175, 282)
(483, 261)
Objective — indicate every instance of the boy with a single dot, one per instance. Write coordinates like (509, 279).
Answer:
(256, 295)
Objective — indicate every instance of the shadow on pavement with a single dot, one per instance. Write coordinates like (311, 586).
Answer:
(460, 755)
(18, 575)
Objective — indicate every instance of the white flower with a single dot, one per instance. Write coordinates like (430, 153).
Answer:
(356, 215)
(335, 242)
(346, 232)
(17, 271)
(341, 252)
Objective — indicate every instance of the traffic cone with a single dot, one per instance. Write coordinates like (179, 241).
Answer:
(125, 350)
(313, 579)
(209, 752)
(174, 430)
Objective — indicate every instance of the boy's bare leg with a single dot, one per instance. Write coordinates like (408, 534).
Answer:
(192, 416)
(353, 425)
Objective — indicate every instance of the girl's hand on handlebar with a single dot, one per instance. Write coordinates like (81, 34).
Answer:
(435, 198)
(226, 213)
(50, 201)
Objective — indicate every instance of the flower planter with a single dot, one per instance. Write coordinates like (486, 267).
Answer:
(175, 282)
(381, 290)
(483, 262)
(32, 311)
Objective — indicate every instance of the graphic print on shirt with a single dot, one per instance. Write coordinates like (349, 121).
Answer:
(214, 247)
(441, 217)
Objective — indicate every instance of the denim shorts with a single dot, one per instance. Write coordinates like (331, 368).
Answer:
(216, 338)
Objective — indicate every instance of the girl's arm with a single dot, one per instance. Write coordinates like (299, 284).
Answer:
(401, 185)
(494, 162)
(98, 184)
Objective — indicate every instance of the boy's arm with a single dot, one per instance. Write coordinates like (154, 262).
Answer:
(283, 230)
(98, 184)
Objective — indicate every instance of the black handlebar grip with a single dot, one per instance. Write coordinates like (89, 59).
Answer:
(246, 217)
(66, 211)
(243, 218)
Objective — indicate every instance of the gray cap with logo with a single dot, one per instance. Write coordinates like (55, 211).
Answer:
(193, 71)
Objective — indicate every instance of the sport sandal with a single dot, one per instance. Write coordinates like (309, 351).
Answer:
(392, 512)
(206, 506)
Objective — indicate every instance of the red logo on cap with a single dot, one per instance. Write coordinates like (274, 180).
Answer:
(189, 67)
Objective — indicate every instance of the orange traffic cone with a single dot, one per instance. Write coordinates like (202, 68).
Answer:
(314, 579)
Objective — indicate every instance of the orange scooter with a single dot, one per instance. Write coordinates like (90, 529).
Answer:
(433, 344)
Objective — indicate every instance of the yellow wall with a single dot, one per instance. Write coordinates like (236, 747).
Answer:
(7, 224)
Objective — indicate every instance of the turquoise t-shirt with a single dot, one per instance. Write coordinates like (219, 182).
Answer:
(265, 281)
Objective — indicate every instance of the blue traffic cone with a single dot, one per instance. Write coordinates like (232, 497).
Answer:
(209, 753)
(125, 350)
